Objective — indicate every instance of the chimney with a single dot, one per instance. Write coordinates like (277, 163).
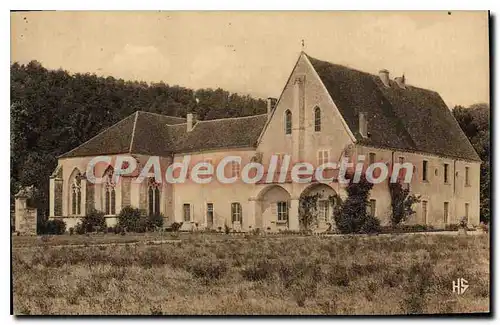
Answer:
(384, 76)
(363, 125)
(270, 105)
(191, 121)
(401, 82)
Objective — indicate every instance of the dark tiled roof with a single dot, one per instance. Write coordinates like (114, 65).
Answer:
(412, 119)
(224, 133)
(154, 134)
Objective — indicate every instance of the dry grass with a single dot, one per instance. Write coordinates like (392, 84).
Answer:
(390, 274)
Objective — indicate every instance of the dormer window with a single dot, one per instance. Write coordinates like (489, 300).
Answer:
(288, 122)
(317, 119)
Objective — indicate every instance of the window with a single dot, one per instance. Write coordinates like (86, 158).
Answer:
(279, 160)
(424, 211)
(371, 158)
(236, 212)
(76, 195)
(446, 173)
(109, 194)
(235, 169)
(445, 212)
(424, 170)
(210, 214)
(317, 119)
(373, 207)
(288, 122)
(282, 211)
(467, 212)
(323, 157)
(323, 209)
(467, 180)
(187, 211)
(153, 197)
(401, 160)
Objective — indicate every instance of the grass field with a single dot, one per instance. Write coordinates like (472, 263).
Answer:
(221, 274)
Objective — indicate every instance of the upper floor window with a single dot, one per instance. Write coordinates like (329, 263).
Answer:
(372, 158)
(446, 173)
(467, 179)
(317, 119)
(323, 157)
(424, 170)
(235, 169)
(288, 122)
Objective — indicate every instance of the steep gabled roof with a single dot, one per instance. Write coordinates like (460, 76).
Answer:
(412, 119)
(141, 132)
(159, 135)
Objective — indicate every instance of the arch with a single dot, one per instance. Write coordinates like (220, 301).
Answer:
(274, 203)
(109, 191)
(323, 206)
(288, 122)
(75, 192)
(317, 119)
(153, 197)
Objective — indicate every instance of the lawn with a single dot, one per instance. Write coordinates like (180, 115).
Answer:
(256, 275)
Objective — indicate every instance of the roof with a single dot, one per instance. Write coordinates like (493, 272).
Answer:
(160, 135)
(410, 119)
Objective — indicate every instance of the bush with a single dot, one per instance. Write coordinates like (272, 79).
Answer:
(175, 226)
(155, 221)
(208, 269)
(51, 227)
(93, 221)
(130, 218)
(79, 229)
(371, 225)
(258, 271)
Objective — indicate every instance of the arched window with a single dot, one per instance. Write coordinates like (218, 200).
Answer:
(288, 122)
(317, 119)
(76, 194)
(109, 193)
(153, 197)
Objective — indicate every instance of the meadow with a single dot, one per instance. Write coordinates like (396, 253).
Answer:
(217, 274)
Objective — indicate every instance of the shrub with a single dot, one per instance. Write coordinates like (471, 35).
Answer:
(93, 221)
(130, 218)
(371, 225)
(79, 229)
(258, 271)
(352, 215)
(155, 221)
(176, 226)
(71, 231)
(208, 269)
(226, 229)
(402, 202)
(51, 227)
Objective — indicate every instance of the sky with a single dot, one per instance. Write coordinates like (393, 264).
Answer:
(254, 52)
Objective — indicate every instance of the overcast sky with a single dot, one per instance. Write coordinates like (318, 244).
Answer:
(254, 52)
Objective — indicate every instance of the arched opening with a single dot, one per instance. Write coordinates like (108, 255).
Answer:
(153, 197)
(316, 206)
(109, 191)
(75, 190)
(317, 119)
(288, 122)
(275, 206)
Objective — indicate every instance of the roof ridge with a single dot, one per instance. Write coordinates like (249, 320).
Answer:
(163, 115)
(95, 136)
(133, 132)
(229, 118)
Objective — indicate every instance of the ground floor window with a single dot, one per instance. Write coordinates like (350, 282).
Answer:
(187, 212)
(323, 208)
(467, 212)
(236, 212)
(372, 208)
(424, 211)
(153, 198)
(445, 212)
(210, 213)
(110, 201)
(282, 208)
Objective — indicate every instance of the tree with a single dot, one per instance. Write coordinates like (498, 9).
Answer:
(308, 210)
(352, 217)
(401, 202)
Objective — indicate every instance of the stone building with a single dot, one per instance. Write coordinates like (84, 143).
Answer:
(325, 112)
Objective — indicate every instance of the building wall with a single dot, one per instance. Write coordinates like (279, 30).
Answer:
(435, 191)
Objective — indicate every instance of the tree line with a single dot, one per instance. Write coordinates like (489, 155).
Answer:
(53, 111)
